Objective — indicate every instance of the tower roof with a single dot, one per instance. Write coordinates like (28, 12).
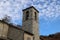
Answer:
(31, 7)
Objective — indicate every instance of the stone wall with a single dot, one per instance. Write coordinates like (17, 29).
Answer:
(10, 32)
(15, 34)
(3, 30)
(28, 36)
(31, 25)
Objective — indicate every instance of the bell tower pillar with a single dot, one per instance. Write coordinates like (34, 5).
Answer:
(30, 21)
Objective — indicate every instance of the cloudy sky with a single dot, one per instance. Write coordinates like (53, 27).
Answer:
(49, 13)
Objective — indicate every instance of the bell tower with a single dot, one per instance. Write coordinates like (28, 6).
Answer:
(30, 21)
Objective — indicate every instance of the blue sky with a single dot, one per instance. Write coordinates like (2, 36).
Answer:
(49, 13)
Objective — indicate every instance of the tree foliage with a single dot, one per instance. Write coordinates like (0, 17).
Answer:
(6, 18)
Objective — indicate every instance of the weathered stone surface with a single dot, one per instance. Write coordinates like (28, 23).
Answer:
(28, 37)
(31, 25)
(15, 34)
(3, 30)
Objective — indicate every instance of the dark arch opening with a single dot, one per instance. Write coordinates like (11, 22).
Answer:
(27, 15)
(35, 16)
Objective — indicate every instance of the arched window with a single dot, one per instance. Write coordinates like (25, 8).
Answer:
(27, 15)
(35, 16)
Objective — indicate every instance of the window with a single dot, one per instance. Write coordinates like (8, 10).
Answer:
(35, 16)
(28, 38)
(27, 15)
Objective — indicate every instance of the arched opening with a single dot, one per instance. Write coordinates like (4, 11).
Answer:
(35, 16)
(27, 15)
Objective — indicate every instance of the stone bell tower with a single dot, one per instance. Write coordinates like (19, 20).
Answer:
(30, 21)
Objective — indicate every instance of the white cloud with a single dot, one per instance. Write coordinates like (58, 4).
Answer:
(14, 8)
(50, 9)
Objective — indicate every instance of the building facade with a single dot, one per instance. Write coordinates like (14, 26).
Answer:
(29, 30)
(30, 21)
